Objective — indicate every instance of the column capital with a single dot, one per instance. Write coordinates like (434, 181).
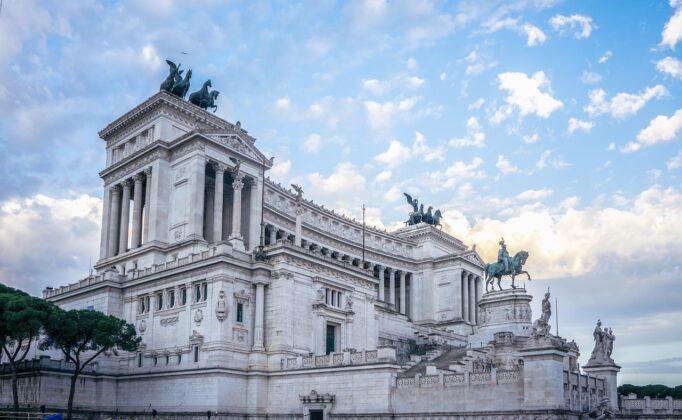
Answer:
(219, 167)
(148, 171)
(402, 274)
(238, 184)
(391, 270)
(116, 189)
(127, 183)
(138, 177)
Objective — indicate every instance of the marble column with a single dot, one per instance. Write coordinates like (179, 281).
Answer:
(125, 216)
(236, 236)
(114, 219)
(147, 202)
(273, 235)
(479, 292)
(137, 211)
(412, 296)
(465, 296)
(403, 285)
(391, 286)
(299, 225)
(258, 327)
(218, 203)
(382, 282)
(472, 299)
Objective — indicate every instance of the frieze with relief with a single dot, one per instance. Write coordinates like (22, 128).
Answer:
(325, 271)
(187, 148)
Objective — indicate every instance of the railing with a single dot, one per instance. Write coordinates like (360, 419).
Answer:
(45, 363)
(460, 379)
(335, 359)
(647, 405)
(23, 415)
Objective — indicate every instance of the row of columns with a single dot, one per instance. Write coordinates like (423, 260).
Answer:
(237, 185)
(119, 213)
(399, 294)
(471, 287)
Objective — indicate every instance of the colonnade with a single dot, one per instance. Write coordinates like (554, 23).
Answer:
(395, 285)
(221, 222)
(138, 188)
(471, 287)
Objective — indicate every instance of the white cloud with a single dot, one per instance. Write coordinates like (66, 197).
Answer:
(382, 115)
(475, 136)
(476, 64)
(460, 171)
(151, 57)
(530, 139)
(383, 176)
(623, 104)
(312, 143)
(590, 77)
(283, 104)
(533, 195)
(581, 25)
(545, 159)
(315, 142)
(342, 189)
(564, 241)
(575, 124)
(393, 194)
(443, 76)
(420, 147)
(400, 82)
(661, 129)
(535, 35)
(478, 103)
(527, 95)
(672, 32)
(671, 66)
(280, 170)
(505, 166)
(395, 155)
(28, 260)
(604, 58)
(412, 63)
(675, 162)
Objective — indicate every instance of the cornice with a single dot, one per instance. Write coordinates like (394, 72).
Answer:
(164, 98)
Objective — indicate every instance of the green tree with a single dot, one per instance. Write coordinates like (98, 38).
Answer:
(82, 335)
(21, 319)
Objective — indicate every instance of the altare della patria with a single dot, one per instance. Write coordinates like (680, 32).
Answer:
(253, 302)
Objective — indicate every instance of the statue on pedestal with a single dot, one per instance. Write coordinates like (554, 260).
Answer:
(603, 345)
(541, 325)
(418, 215)
(505, 266)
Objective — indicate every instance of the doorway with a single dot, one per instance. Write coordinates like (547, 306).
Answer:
(316, 415)
(331, 339)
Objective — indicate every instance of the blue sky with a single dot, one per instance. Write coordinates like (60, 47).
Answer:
(555, 124)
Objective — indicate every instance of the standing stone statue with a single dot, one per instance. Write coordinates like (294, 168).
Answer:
(603, 345)
(221, 307)
(541, 325)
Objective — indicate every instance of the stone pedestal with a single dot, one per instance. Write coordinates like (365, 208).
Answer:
(610, 374)
(502, 311)
(543, 370)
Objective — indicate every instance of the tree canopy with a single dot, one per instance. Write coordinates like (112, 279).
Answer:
(82, 335)
(653, 391)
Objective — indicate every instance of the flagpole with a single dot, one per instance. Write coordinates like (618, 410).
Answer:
(363, 235)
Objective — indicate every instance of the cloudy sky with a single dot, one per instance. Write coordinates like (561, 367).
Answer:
(555, 124)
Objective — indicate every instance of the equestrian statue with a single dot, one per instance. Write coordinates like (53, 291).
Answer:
(505, 266)
(176, 85)
(419, 216)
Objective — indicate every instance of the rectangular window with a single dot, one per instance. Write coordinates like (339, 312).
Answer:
(156, 361)
(139, 359)
(204, 292)
(240, 312)
(140, 306)
(167, 359)
(197, 293)
(147, 304)
(171, 298)
(179, 358)
(331, 339)
(159, 301)
(196, 354)
(183, 296)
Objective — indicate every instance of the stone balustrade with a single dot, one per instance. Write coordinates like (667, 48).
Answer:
(460, 379)
(633, 405)
(113, 275)
(46, 363)
(583, 392)
(346, 358)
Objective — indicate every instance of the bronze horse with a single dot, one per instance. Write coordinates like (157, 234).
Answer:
(496, 270)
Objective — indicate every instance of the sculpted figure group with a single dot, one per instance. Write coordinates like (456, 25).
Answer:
(418, 215)
(603, 345)
(179, 86)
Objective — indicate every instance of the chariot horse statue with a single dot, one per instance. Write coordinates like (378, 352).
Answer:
(505, 266)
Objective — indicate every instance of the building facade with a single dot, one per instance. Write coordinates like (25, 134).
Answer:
(253, 301)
